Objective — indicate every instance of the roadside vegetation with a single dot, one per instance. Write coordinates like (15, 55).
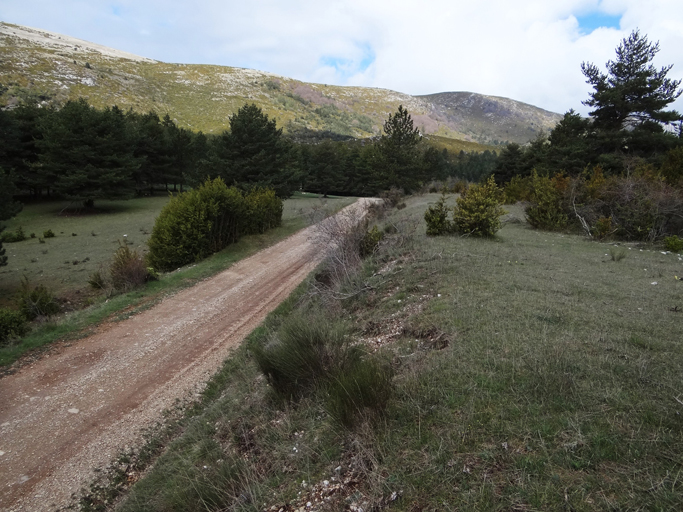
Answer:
(528, 370)
(81, 304)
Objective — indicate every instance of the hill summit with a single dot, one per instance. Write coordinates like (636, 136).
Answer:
(51, 67)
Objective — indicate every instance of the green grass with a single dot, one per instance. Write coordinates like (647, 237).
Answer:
(97, 237)
(70, 281)
(556, 390)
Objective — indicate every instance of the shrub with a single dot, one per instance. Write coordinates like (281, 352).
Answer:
(603, 228)
(596, 183)
(546, 210)
(307, 351)
(360, 391)
(458, 187)
(518, 189)
(16, 236)
(48, 234)
(436, 218)
(127, 270)
(393, 196)
(96, 280)
(370, 241)
(12, 325)
(38, 301)
(263, 211)
(673, 243)
(643, 207)
(478, 210)
(196, 224)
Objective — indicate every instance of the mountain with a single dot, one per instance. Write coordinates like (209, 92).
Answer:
(53, 67)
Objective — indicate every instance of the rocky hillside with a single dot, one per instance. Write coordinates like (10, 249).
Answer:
(53, 68)
(490, 119)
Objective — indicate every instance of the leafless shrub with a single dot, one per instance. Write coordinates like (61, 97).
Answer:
(393, 196)
(341, 236)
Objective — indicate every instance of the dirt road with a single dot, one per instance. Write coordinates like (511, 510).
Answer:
(74, 410)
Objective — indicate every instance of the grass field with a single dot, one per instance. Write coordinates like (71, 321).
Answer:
(556, 384)
(54, 264)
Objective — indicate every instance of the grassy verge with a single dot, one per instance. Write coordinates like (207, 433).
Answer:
(78, 323)
(532, 372)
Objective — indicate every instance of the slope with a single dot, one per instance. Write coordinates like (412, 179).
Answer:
(53, 68)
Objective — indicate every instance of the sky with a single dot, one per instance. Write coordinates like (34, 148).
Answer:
(527, 50)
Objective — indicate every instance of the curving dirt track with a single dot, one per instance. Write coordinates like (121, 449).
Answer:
(74, 410)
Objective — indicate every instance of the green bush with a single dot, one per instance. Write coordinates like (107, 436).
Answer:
(127, 270)
(359, 392)
(370, 241)
(263, 211)
(518, 189)
(16, 236)
(478, 210)
(205, 220)
(12, 325)
(603, 228)
(673, 243)
(48, 234)
(546, 210)
(436, 218)
(38, 301)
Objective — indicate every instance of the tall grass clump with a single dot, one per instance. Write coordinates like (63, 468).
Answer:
(360, 392)
(306, 351)
(312, 353)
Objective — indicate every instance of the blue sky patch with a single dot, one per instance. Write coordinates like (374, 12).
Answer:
(589, 22)
(349, 67)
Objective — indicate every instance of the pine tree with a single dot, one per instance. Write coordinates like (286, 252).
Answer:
(399, 151)
(255, 154)
(633, 92)
(326, 168)
(89, 153)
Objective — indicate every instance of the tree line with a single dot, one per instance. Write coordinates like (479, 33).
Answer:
(83, 154)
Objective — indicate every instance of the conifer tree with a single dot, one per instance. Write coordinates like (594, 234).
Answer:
(632, 92)
(89, 153)
(255, 154)
(399, 153)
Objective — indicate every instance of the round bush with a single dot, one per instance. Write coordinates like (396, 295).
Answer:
(196, 224)
(12, 325)
(479, 211)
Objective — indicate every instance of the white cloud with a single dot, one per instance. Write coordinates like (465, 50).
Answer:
(530, 51)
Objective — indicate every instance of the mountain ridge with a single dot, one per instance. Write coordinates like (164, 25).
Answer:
(55, 68)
